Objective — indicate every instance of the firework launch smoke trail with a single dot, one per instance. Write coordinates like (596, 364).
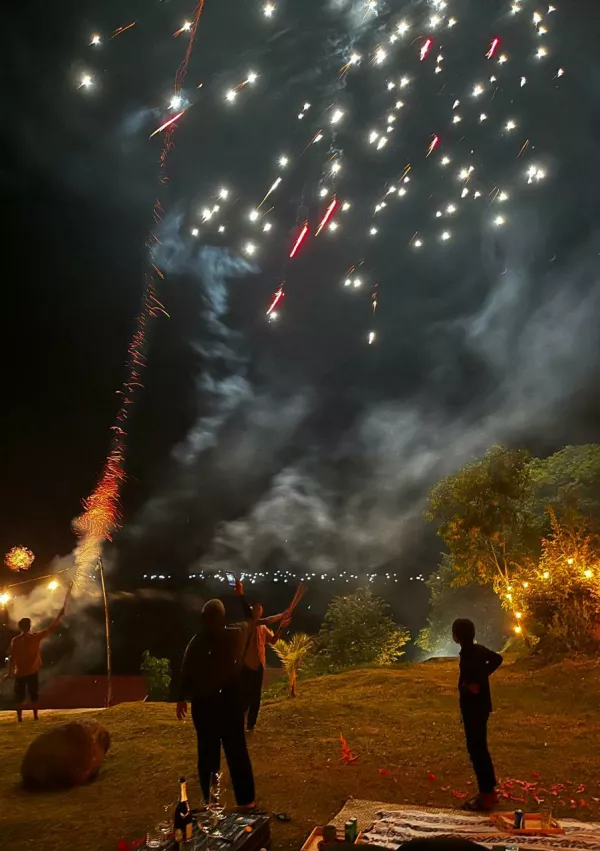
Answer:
(101, 509)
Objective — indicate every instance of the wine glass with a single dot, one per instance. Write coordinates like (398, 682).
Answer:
(215, 805)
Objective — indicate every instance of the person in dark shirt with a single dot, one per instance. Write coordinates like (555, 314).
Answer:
(477, 663)
(210, 675)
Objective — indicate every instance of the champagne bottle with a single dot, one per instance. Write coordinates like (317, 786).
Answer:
(183, 822)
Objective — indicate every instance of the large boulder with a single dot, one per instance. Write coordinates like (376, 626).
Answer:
(66, 755)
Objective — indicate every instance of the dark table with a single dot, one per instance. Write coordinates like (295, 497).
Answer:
(236, 836)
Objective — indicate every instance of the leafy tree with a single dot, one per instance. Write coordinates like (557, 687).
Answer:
(484, 517)
(293, 655)
(358, 630)
(559, 601)
(529, 528)
(158, 676)
(568, 481)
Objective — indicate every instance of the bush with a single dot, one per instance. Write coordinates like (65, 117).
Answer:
(158, 676)
(358, 630)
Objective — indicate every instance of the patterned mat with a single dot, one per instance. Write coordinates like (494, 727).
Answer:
(389, 825)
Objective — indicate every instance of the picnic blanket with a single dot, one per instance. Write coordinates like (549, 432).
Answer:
(388, 826)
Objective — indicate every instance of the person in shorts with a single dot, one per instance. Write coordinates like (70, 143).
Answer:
(25, 661)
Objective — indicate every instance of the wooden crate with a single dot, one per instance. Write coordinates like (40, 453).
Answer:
(505, 822)
(312, 843)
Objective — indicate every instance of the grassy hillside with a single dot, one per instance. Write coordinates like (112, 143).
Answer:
(403, 725)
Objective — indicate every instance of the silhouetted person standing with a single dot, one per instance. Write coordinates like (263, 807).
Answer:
(255, 661)
(477, 663)
(25, 661)
(210, 675)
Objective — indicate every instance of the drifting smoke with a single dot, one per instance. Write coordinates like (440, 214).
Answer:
(536, 359)
(83, 620)
(222, 384)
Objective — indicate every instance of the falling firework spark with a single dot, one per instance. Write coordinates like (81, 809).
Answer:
(121, 30)
(276, 299)
(425, 49)
(495, 44)
(434, 143)
(272, 189)
(327, 216)
(300, 240)
(167, 123)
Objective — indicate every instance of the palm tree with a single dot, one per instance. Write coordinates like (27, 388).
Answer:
(293, 655)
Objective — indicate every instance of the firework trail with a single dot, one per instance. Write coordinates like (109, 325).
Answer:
(275, 301)
(101, 512)
(326, 217)
(299, 241)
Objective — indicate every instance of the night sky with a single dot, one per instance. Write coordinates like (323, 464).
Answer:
(292, 442)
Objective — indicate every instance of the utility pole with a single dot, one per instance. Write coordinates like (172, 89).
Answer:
(107, 626)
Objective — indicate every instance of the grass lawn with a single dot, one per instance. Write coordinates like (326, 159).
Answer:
(403, 724)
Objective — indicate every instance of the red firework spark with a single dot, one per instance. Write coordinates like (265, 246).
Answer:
(300, 240)
(426, 48)
(327, 216)
(434, 143)
(276, 299)
(494, 45)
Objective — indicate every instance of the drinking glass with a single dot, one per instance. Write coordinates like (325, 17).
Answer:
(214, 796)
(155, 838)
(215, 805)
(546, 817)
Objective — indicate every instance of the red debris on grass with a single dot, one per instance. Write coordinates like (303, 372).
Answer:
(347, 755)
(431, 777)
